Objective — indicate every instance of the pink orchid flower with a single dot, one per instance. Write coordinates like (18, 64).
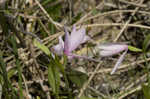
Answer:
(72, 41)
(58, 49)
(113, 49)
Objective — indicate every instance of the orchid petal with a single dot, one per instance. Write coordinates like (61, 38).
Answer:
(105, 53)
(118, 62)
(74, 28)
(71, 43)
(58, 49)
(76, 38)
(61, 42)
(67, 42)
(111, 49)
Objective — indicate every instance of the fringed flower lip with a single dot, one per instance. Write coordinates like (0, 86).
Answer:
(71, 43)
(111, 49)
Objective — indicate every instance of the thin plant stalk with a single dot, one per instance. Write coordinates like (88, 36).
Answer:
(20, 78)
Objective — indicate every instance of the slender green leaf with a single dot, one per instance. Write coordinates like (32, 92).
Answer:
(57, 78)
(146, 43)
(146, 91)
(134, 49)
(58, 64)
(13, 42)
(42, 47)
(12, 72)
(51, 78)
(20, 78)
(54, 78)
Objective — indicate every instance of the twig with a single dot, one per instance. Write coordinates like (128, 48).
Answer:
(113, 12)
(132, 3)
(140, 79)
(38, 52)
(7, 24)
(117, 24)
(31, 81)
(45, 29)
(130, 92)
(31, 34)
(125, 26)
(26, 87)
(97, 92)
(57, 25)
(85, 16)
(122, 66)
(45, 90)
(28, 16)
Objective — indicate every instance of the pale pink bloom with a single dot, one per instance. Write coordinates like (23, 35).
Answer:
(113, 49)
(72, 41)
(59, 47)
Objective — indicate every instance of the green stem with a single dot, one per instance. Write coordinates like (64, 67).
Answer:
(20, 78)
